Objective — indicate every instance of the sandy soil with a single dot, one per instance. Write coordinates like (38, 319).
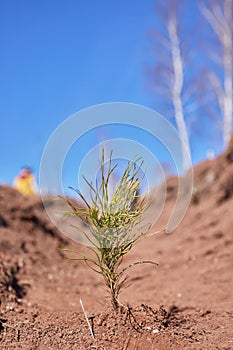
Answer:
(184, 303)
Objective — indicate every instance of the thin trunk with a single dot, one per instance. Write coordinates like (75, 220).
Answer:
(227, 63)
(177, 86)
(221, 23)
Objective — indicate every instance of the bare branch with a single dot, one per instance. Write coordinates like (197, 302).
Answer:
(212, 20)
(220, 19)
(217, 87)
(168, 74)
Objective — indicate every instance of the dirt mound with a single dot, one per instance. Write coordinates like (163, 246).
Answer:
(28, 239)
(185, 302)
(25, 214)
(9, 286)
(215, 177)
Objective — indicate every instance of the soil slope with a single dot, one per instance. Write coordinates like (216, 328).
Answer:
(184, 303)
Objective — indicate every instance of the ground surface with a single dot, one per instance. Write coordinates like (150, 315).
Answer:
(184, 303)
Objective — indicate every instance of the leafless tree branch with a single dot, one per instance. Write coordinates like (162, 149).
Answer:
(219, 15)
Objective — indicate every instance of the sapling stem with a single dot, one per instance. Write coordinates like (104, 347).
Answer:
(115, 224)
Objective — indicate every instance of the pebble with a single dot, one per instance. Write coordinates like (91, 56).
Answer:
(10, 308)
(155, 331)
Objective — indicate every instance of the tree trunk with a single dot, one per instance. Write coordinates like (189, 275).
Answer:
(227, 63)
(177, 86)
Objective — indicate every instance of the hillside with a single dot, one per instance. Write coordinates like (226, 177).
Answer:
(184, 303)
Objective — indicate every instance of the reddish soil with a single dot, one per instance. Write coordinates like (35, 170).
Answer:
(184, 303)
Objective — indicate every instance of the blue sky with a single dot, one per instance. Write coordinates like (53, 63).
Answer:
(58, 57)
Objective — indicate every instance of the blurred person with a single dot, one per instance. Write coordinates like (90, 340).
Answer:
(25, 182)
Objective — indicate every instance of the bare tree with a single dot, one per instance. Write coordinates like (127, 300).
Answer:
(219, 15)
(168, 72)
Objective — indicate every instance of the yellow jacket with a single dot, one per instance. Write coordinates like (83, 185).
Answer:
(25, 184)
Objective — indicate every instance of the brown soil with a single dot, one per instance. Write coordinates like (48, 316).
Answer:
(184, 303)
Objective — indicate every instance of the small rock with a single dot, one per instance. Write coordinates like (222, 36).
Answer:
(9, 308)
(155, 331)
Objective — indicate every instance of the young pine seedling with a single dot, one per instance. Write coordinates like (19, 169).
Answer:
(114, 222)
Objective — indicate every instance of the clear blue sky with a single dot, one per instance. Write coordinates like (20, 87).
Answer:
(58, 57)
